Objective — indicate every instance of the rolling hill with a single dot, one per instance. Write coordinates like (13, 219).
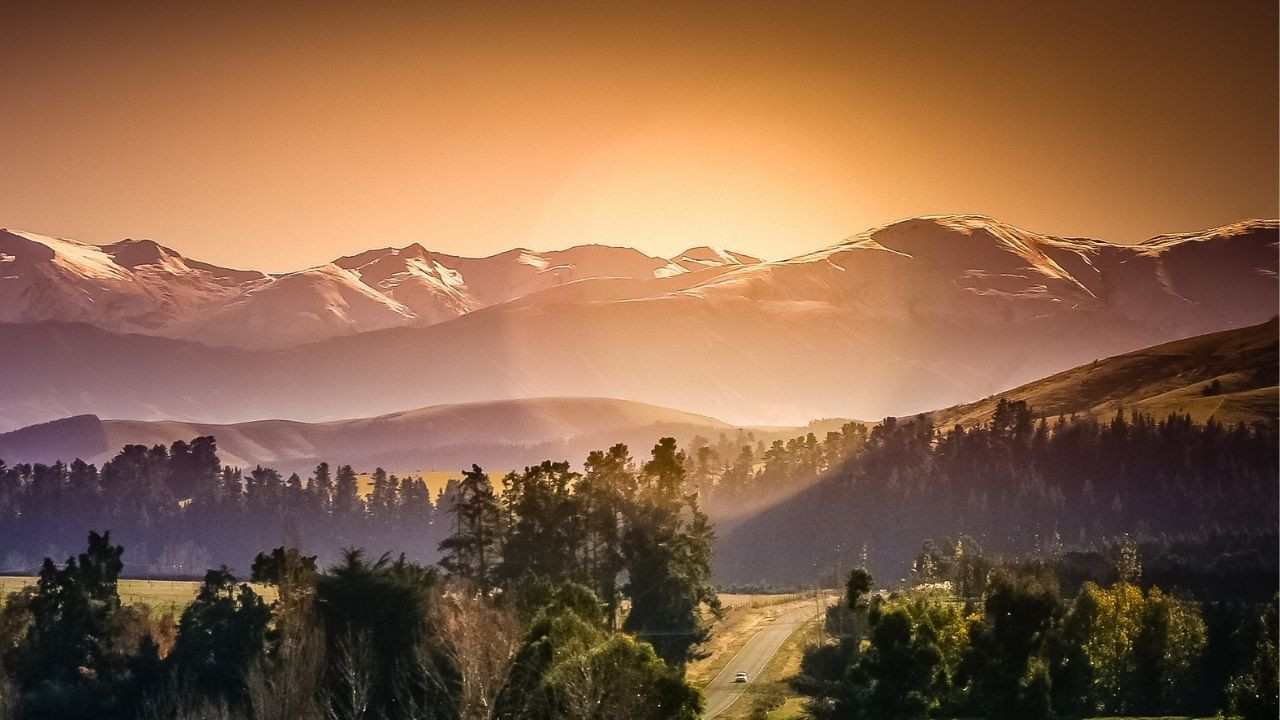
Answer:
(503, 434)
(1175, 377)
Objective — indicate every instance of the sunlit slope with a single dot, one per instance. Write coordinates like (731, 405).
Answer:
(1174, 377)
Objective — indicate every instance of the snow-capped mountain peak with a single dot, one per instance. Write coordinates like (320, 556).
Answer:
(142, 286)
(968, 267)
(126, 287)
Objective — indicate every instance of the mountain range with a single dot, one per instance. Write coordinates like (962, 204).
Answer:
(905, 318)
(140, 286)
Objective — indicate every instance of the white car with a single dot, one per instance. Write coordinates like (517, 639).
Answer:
(740, 677)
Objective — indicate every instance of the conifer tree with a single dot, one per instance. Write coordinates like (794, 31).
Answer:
(545, 529)
(346, 495)
(605, 491)
(220, 634)
(321, 487)
(471, 551)
(667, 547)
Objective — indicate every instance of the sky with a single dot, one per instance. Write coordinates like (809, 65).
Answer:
(282, 137)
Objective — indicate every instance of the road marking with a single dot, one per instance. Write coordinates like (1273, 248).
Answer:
(732, 668)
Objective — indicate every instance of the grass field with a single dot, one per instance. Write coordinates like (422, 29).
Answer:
(757, 601)
(436, 479)
(176, 594)
(160, 595)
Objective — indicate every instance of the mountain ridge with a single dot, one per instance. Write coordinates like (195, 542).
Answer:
(139, 285)
(918, 315)
(142, 286)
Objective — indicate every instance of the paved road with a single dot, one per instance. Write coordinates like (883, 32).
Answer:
(722, 692)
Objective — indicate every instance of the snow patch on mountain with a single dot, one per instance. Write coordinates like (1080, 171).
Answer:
(956, 268)
(702, 257)
(532, 260)
(976, 269)
(132, 286)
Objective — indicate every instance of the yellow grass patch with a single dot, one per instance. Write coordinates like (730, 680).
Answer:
(159, 595)
(436, 479)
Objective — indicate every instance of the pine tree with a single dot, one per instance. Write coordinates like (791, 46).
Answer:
(231, 487)
(321, 487)
(604, 492)
(471, 551)
(220, 634)
(382, 498)
(667, 547)
(346, 496)
(73, 654)
(545, 530)
(415, 508)
(896, 679)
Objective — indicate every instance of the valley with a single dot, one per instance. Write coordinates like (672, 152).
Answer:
(679, 360)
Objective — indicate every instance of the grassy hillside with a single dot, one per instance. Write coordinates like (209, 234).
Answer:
(1175, 377)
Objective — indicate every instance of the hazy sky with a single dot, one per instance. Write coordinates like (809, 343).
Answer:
(282, 137)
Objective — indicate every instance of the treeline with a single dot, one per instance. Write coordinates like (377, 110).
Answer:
(1024, 651)
(528, 618)
(1019, 484)
(179, 510)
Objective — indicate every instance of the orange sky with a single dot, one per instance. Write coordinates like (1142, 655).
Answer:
(279, 138)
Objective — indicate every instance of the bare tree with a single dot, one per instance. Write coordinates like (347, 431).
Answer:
(287, 684)
(353, 665)
(173, 701)
(482, 642)
(287, 687)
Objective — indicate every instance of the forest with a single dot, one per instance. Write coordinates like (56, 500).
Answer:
(1036, 568)
(1007, 641)
(862, 495)
(1019, 484)
(520, 620)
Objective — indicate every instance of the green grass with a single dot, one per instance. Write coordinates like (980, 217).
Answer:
(792, 709)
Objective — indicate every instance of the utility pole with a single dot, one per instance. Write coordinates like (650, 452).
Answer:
(822, 618)
(817, 600)
(839, 565)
